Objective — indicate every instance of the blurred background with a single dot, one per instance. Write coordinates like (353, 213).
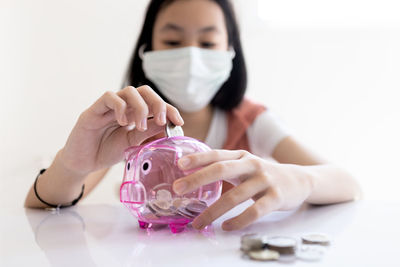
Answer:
(329, 69)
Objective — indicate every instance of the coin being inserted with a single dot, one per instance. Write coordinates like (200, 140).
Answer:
(173, 130)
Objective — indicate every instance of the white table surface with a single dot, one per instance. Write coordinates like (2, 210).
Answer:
(364, 234)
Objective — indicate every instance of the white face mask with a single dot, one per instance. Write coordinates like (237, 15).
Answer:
(189, 77)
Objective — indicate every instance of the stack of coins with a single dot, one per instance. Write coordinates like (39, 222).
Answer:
(165, 206)
(162, 205)
(254, 247)
(282, 244)
(313, 246)
(251, 242)
(316, 239)
(282, 248)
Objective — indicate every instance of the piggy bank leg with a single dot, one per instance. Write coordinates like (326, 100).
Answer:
(144, 225)
(177, 227)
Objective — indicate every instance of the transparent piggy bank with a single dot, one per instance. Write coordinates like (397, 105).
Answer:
(150, 171)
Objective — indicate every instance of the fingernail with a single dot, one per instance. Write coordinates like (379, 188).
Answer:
(179, 118)
(162, 118)
(124, 120)
(198, 223)
(179, 187)
(184, 162)
(143, 124)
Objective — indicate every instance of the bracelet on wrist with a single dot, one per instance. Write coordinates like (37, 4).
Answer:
(58, 206)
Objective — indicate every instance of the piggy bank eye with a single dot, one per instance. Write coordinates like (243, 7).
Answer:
(128, 166)
(146, 166)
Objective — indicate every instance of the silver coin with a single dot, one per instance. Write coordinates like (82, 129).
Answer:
(163, 195)
(283, 245)
(311, 252)
(196, 206)
(162, 204)
(158, 211)
(316, 239)
(185, 213)
(177, 202)
(151, 208)
(173, 130)
(252, 242)
(263, 255)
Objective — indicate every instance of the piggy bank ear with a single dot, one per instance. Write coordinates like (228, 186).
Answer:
(132, 192)
(132, 151)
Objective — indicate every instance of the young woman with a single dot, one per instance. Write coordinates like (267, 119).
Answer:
(188, 66)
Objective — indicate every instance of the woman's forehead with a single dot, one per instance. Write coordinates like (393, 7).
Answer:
(191, 15)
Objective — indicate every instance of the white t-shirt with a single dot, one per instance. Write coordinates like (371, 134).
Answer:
(263, 135)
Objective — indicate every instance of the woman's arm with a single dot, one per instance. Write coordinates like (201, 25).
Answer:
(98, 141)
(65, 188)
(299, 177)
(330, 184)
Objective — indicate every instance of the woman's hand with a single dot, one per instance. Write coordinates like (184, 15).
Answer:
(106, 129)
(272, 186)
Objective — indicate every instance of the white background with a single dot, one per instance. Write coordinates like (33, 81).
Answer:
(329, 69)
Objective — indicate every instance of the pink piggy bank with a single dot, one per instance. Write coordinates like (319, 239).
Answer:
(150, 171)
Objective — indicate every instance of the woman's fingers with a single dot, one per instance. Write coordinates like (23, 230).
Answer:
(173, 115)
(156, 105)
(220, 170)
(197, 160)
(143, 101)
(111, 101)
(223, 170)
(136, 138)
(229, 200)
(137, 106)
(133, 106)
(261, 207)
(158, 108)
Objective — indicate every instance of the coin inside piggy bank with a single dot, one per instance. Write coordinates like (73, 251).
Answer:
(150, 171)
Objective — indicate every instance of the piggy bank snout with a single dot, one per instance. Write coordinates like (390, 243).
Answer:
(133, 192)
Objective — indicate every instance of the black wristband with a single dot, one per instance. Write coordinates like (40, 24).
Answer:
(59, 206)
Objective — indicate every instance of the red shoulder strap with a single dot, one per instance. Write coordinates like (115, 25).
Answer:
(239, 119)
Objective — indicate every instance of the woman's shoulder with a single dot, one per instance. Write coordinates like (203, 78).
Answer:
(248, 105)
(247, 111)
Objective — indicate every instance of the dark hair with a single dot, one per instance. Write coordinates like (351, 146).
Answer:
(231, 92)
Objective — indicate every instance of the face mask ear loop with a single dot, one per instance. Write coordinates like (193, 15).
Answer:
(141, 51)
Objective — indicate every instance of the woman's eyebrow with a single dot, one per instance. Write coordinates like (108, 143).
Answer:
(174, 27)
(209, 29)
(171, 26)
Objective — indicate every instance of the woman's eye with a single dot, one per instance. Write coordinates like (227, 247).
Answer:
(207, 44)
(171, 43)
